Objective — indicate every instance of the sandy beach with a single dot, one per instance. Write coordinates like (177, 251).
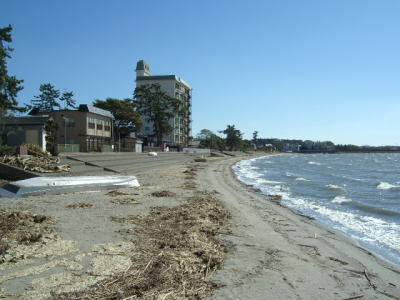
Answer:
(192, 230)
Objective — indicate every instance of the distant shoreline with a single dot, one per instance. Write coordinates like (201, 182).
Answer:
(344, 151)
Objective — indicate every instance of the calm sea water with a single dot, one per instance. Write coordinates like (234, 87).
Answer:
(357, 194)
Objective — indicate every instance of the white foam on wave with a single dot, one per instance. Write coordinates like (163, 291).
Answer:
(287, 174)
(246, 172)
(314, 163)
(271, 181)
(301, 179)
(387, 186)
(341, 199)
(250, 174)
(334, 187)
(367, 228)
(351, 178)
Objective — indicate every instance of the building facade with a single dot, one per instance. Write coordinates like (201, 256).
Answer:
(173, 86)
(88, 126)
(16, 131)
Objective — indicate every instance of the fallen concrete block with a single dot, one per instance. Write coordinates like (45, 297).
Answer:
(60, 185)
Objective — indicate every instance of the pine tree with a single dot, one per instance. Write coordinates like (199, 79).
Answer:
(9, 85)
(69, 101)
(47, 99)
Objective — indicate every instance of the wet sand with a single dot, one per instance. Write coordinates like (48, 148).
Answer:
(279, 254)
(274, 252)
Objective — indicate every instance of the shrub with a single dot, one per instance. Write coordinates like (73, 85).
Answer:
(35, 150)
(8, 150)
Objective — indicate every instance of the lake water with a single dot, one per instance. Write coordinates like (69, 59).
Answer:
(357, 194)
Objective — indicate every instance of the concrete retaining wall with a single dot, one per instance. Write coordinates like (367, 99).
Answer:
(13, 173)
(196, 150)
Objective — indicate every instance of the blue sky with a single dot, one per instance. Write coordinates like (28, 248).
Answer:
(319, 70)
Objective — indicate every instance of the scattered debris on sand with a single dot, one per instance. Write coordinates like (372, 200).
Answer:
(177, 249)
(200, 160)
(125, 201)
(116, 193)
(189, 185)
(36, 164)
(80, 205)
(191, 171)
(163, 194)
(37, 161)
(21, 227)
(275, 197)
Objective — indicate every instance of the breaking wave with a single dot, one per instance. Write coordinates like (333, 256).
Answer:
(358, 200)
(302, 179)
(387, 186)
(341, 199)
(334, 187)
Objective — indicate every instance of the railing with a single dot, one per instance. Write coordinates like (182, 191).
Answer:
(107, 148)
(68, 147)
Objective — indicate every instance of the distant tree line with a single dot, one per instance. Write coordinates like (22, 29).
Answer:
(232, 140)
(315, 146)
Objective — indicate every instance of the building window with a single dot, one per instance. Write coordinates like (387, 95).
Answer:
(99, 126)
(107, 127)
(91, 125)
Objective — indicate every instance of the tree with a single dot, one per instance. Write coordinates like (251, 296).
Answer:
(67, 98)
(158, 108)
(51, 128)
(209, 139)
(48, 98)
(9, 85)
(233, 137)
(126, 118)
(255, 136)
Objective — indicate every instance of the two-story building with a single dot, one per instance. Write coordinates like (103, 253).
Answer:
(88, 126)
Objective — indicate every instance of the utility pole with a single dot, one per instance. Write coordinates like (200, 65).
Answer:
(65, 131)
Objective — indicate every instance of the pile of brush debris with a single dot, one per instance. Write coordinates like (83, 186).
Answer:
(36, 161)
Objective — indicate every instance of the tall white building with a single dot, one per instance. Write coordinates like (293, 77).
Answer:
(173, 86)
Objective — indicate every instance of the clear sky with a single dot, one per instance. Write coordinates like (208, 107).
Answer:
(309, 69)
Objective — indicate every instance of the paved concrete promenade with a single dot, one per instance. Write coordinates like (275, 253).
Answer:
(123, 163)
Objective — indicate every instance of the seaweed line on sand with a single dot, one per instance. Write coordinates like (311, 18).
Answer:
(177, 249)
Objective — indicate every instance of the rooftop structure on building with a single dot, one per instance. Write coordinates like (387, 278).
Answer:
(173, 86)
